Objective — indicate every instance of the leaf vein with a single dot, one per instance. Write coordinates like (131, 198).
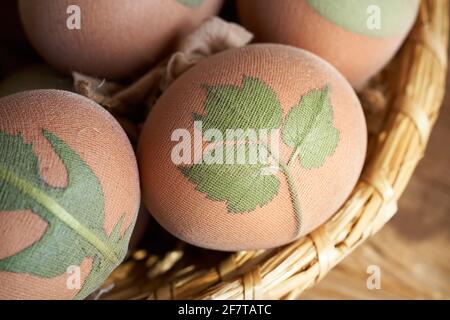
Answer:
(59, 212)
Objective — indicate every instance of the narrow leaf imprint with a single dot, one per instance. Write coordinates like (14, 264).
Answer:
(74, 214)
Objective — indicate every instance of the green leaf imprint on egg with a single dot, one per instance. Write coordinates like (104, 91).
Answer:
(75, 214)
(191, 3)
(383, 18)
(308, 130)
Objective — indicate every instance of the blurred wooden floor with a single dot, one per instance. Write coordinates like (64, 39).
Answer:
(412, 250)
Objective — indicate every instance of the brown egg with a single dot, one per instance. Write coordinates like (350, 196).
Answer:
(357, 36)
(69, 195)
(112, 38)
(252, 148)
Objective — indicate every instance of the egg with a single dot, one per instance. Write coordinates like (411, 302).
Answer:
(358, 37)
(252, 148)
(110, 38)
(69, 195)
(38, 76)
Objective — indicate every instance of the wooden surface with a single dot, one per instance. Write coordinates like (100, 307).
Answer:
(413, 250)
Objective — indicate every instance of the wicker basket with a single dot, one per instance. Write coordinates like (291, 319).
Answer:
(402, 105)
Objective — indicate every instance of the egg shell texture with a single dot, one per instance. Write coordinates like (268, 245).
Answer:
(194, 216)
(320, 27)
(101, 144)
(117, 38)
